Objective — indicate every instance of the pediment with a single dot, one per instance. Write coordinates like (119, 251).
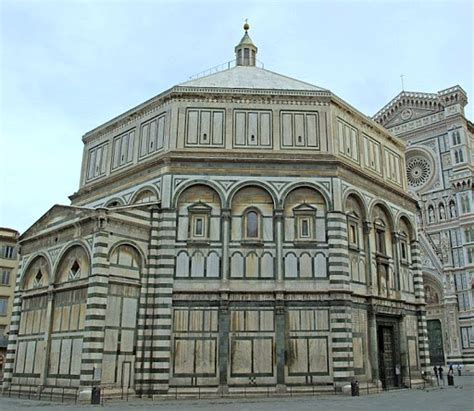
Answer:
(304, 208)
(408, 106)
(53, 217)
(200, 207)
(406, 114)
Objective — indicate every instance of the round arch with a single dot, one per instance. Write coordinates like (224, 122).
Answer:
(141, 190)
(114, 200)
(306, 184)
(359, 198)
(129, 243)
(385, 208)
(65, 250)
(402, 216)
(31, 262)
(182, 187)
(251, 183)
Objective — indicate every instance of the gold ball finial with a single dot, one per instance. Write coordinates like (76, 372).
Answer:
(246, 25)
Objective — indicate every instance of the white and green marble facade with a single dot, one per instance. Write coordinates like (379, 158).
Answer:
(440, 164)
(158, 306)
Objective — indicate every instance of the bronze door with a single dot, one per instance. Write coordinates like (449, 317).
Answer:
(435, 340)
(386, 356)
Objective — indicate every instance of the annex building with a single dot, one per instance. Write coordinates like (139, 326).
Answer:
(240, 230)
(440, 171)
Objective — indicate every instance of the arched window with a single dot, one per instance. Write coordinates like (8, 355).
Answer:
(74, 271)
(380, 237)
(145, 196)
(252, 226)
(38, 280)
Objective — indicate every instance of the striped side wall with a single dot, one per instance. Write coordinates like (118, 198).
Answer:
(161, 264)
(13, 331)
(423, 346)
(93, 343)
(339, 276)
(341, 321)
(146, 314)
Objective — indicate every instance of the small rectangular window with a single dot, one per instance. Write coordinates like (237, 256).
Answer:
(3, 305)
(198, 226)
(353, 234)
(5, 278)
(305, 228)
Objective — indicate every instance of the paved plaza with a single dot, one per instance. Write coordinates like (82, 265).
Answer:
(460, 397)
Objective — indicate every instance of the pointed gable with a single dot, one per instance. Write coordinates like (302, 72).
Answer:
(55, 216)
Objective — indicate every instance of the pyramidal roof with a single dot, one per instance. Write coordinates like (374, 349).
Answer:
(246, 74)
(250, 77)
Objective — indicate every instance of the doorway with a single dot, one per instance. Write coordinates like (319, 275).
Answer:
(435, 341)
(387, 356)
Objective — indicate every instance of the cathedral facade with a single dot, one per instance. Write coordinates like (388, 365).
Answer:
(240, 230)
(440, 171)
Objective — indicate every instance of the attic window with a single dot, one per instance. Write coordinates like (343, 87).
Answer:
(75, 271)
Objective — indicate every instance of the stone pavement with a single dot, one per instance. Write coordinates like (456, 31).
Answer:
(458, 398)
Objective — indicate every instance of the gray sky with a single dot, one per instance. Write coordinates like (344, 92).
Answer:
(68, 66)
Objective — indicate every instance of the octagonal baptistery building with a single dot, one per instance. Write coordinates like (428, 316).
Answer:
(240, 231)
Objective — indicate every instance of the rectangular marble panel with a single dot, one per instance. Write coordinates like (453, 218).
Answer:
(129, 314)
(196, 318)
(265, 129)
(112, 317)
(318, 355)
(183, 356)
(263, 355)
(253, 129)
(287, 132)
(65, 360)
(205, 128)
(312, 131)
(298, 356)
(358, 352)
(299, 134)
(108, 368)
(413, 353)
(192, 127)
(205, 356)
(39, 356)
(30, 356)
(20, 356)
(241, 356)
(76, 356)
(127, 341)
(180, 321)
(111, 340)
(240, 129)
(54, 356)
(218, 128)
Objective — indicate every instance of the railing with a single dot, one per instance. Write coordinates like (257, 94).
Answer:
(45, 392)
(221, 67)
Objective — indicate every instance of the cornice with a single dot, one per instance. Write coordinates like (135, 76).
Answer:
(226, 95)
(176, 158)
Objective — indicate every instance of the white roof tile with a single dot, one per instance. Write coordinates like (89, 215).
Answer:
(248, 77)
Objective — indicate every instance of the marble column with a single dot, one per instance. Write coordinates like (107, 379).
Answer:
(373, 345)
(47, 335)
(278, 216)
(226, 221)
(367, 229)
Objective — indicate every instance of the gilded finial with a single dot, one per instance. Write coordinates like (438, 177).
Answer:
(246, 25)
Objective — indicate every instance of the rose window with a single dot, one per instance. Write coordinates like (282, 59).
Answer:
(418, 171)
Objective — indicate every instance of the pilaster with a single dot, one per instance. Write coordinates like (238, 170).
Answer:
(161, 274)
(13, 330)
(421, 311)
(96, 306)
